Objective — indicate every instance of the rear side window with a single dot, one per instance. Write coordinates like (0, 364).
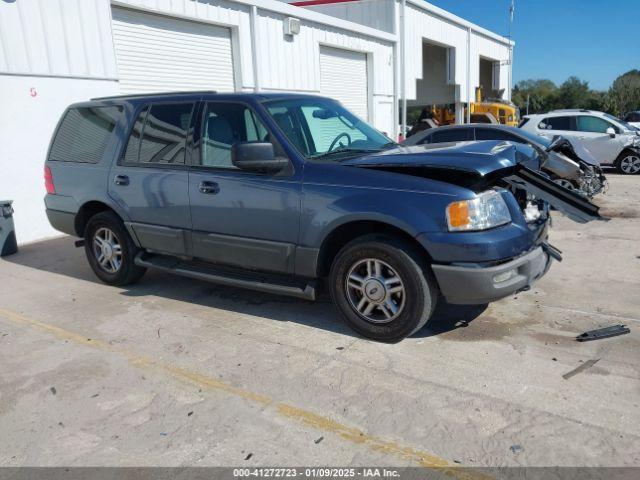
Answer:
(557, 123)
(159, 135)
(452, 135)
(495, 134)
(83, 134)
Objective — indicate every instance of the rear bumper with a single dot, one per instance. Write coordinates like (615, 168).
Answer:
(472, 285)
(62, 221)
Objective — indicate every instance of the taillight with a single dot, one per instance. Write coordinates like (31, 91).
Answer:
(48, 181)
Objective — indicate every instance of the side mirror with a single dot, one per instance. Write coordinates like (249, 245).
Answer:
(611, 132)
(257, 157)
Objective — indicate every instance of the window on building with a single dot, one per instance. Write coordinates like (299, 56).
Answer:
(84, 133)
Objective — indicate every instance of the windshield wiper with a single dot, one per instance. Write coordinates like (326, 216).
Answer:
(347, 151)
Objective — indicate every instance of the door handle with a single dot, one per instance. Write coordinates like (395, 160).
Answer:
(210, 188)
(121, 180)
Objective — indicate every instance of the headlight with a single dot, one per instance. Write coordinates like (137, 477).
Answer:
(487, 210)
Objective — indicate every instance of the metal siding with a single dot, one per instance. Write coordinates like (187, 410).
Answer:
(157, 53)
(56, 37)
(482, 46)
(221, 12)
(343, 76)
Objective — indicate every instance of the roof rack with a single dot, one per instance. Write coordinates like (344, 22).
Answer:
(154, 94)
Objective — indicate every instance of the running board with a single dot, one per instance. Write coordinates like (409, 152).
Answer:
(259, 282)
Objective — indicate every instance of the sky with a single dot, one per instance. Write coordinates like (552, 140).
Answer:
(595, 40)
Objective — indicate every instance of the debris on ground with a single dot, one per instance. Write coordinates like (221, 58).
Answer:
(339, 348)
(516, 449)
(318, 440)
(53, 390)
(189, 414)
(605, 332)
(248, 456)
(584, 366)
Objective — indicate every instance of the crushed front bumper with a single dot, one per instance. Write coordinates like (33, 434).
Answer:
(472, 284)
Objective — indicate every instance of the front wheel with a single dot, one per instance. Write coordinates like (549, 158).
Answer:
(382, 287)
(628, 163)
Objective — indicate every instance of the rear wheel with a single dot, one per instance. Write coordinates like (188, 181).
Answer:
(382, 287)
(628, 163)
(110, 250)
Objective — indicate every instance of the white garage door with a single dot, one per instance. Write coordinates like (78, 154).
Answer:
(343, 76)
(156, 54)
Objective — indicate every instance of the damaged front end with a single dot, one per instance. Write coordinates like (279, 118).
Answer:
(481, 265)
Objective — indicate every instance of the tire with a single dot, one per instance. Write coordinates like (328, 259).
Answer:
(628, 163)
(113, 268)
(397, 259)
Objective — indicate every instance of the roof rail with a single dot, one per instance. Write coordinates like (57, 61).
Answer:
(571, 110)
(154, 94)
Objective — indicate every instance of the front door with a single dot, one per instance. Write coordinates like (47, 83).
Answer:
(150, 181)
(592, 134)
(240, 218)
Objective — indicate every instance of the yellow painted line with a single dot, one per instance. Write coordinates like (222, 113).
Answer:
(319, 422)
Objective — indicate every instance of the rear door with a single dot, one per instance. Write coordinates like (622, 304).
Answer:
(244, 219)
(150, 180)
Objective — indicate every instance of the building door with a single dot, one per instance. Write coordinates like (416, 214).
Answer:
(156, 53)
(344, 77)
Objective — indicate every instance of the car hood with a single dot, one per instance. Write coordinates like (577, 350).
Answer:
(477, 158)
(478, 166)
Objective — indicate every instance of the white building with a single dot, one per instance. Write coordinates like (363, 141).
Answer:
(56, 53)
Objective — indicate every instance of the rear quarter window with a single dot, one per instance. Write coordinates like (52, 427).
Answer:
(83, 134)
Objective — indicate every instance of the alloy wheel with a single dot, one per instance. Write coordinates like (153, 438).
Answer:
(107, 250)
(565, 183)
(630, 164)
(375, 291)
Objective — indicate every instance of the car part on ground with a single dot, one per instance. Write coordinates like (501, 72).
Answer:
(605, 332)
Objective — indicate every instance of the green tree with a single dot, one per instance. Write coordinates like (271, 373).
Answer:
(624, 94)
(573, 93)
(539, 92)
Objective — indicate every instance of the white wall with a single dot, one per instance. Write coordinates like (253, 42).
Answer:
(31, 108)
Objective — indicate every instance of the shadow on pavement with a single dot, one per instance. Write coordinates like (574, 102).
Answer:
(60, 256)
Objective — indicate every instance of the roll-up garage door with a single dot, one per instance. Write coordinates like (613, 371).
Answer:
(157, 53)
(343, 76)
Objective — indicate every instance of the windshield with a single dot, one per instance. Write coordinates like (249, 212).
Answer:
(322, 128)
(616, 120)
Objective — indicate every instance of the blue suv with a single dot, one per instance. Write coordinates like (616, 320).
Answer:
(293, 194)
